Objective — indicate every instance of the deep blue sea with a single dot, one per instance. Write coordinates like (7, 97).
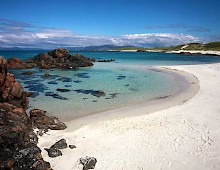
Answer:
(124, 81)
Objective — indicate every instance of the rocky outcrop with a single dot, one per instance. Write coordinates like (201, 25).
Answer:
(18, 149)
(58, 58)
(40, 120)
(10, 89)
(18, 64)
(18, 142)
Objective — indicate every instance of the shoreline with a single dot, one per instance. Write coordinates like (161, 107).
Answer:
(179, 51)
(188, 86)
(77, 131)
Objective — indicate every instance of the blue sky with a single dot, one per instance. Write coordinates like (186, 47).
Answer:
(58, 23)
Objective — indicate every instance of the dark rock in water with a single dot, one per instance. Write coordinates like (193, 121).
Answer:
(53, 152)
(97, 93)
(32, 82)
(46, 75)
(31, 94)
(61, 144)
(94, 101)
(88, 162)
(56, 96)
(65, 79)
(106, 60)
(77, 81)
(36, 87)
(82, 75)
(18, 64)
(72, 146)
(63, 90)
(59, 58)
(41, 121)
(68, 85)
(113, 95)
(52, 82)
(121, 77)
(34, 94)
(27, 73)
(28, 94)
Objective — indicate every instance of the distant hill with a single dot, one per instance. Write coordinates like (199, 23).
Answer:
(88, 48)
(212, 46)
(97, 48)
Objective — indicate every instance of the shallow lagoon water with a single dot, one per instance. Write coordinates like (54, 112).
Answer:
(124, 82)
(122, 85)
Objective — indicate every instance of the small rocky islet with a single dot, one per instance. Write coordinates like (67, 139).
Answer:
(18, 142)
(58, 58)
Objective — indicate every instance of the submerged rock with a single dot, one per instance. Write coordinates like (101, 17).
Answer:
(63, 90)
(97, 93)
(27, 73)
(88, 162)
(46, 75)
(56, 96)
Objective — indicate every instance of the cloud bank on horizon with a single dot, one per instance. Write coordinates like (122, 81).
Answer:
(21, 34)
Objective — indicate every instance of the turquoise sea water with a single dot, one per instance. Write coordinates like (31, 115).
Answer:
(123, 82)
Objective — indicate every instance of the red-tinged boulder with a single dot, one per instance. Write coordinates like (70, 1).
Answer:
(11, 90)
(42, 121)
(59, 53)
(15, 63)
(3, 70)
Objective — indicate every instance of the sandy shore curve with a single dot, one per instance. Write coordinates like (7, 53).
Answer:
(184, 136)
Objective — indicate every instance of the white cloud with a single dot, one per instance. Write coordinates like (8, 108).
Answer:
(53, 38)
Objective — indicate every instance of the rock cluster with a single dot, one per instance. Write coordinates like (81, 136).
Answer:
(18, 142)
(10, 90)
(18, 149)
(54, 150)
(40, 120)
(58, 58)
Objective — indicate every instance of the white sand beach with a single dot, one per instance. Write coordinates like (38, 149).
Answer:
(197, 51)
(174, 134)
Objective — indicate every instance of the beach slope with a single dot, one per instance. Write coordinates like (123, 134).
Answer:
(185, 136)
